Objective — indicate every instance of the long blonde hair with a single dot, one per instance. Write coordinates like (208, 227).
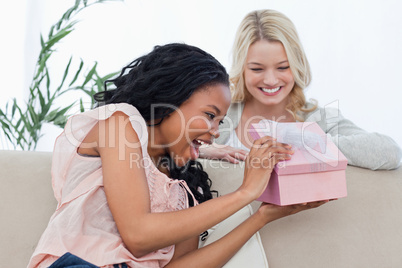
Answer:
(271, 25)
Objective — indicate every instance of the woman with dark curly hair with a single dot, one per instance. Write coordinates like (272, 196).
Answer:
(129, 191)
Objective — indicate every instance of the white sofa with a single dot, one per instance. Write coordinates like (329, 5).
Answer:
(362, 230)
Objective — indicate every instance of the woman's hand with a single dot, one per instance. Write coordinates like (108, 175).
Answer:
(271, 212)
(223, 152)
(265, 153)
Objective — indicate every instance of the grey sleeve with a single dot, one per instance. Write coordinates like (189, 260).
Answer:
(230, 122)
(361, 148)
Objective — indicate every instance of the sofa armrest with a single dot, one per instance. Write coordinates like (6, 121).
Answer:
(27, 202)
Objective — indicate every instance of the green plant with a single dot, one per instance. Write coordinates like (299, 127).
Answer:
(22, 124)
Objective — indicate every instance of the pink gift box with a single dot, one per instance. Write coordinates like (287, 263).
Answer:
(316, 170)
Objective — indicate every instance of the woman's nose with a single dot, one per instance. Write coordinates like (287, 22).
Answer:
(215, 133)
(270, 78)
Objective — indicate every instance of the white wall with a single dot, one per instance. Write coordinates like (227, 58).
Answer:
(354, 47)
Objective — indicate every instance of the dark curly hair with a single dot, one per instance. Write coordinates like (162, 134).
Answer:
(168, 76)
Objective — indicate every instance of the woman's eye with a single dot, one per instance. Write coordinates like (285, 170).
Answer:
(283, 68)
(256, 69)
(212, 116)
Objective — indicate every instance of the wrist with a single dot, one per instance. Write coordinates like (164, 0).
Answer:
(266, 213)
(246, 195)
(259, 220)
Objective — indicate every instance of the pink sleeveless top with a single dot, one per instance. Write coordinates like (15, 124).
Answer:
(82, 223)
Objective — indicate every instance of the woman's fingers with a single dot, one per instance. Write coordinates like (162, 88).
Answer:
(269, 142)
(268, 152)
(265, 153)
(309, 205)
(263, 142)
(273, 212)
(239, 154)
(226, 153)
(231, 159)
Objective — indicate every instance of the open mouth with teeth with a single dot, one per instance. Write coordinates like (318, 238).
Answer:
(270, 91)
(195, 147)
(198, 143)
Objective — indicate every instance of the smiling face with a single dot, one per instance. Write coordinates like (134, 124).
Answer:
(267, 73)
(194, 123)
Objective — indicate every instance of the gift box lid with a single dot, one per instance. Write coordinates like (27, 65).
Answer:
(314, 151)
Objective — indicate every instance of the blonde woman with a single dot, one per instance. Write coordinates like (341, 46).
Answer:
(269, 73)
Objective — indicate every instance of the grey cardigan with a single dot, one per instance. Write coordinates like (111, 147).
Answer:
(361, 148)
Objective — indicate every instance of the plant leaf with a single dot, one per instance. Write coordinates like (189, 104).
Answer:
(68, 13)
(58, 36)
(42, 64)
(13, 108)
(50, 32)
(18, 123)
(90, 74)
(65, 74)
(41, 99)
(27, 124)
(42, 43)
(108, 76)
(99, 83)
(51, 116)
(22, 126)
(64, 110)
(81, 106)
(60, 121)
(33, 115)
(77, 73)
(5, 125)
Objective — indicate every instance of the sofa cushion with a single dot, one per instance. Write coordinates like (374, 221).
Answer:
(252, 253)
(361, 230)
(26, 205)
